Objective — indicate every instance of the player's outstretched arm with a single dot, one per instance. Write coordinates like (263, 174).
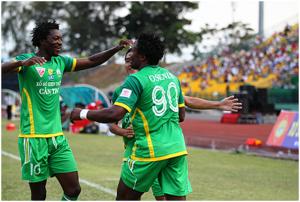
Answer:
(124, 132)
(109, 115)
(100, 58)
(228, 104)
(14, 65)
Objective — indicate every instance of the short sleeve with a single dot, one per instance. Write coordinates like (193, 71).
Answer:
(70, 63)
(18, 58)
(130, 93)
(115, 94)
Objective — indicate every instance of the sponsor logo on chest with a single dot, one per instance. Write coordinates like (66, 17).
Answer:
(41, 71)
(58, 73)
(50, 74)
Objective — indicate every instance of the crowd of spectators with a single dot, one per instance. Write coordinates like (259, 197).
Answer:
(277, 56)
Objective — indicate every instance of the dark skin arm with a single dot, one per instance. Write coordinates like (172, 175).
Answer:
(109, 115)
(181, 114)
(228, 104)
(8, 67)
(100, 58)
(125, 132)
(82, 63)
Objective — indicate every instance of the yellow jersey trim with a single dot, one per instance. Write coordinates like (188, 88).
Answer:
(18, 68)
(41, 135)
(181, 105)
(74, 64)
(148, 137)
(133, 116)
(123, 105)
(134, 146)
(159, 158)
(31, 120)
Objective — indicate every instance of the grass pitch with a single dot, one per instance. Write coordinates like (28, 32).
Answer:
(214, 175)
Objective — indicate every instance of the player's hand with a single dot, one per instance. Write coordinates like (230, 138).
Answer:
(126, 132)
(230, 104)
(34, 60)
(125, 43)
(75, 115)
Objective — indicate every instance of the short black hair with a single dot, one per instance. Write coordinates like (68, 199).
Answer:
(151, 47)
(42, 30)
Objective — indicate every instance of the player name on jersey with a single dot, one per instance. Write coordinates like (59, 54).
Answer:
(160, 77)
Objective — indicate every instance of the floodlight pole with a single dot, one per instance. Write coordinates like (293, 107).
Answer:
(261, 19)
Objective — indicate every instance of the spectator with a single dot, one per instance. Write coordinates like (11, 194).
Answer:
(9, 102)
(277, 55)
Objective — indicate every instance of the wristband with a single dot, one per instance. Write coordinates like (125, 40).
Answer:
(83, 114)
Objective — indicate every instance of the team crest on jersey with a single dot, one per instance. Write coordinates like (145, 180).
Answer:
(50, 74)
(50, 71)
(40, 71)
(126, 93)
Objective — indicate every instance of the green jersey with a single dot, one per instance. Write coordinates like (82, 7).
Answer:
(39, 88)
(153, 95)
(126, 121)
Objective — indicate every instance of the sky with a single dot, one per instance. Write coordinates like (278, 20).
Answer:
(276, 15)
(220, 12)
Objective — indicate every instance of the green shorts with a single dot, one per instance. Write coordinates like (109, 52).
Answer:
(44, 157)
(172, 175)
(156, 188)
(157, 191)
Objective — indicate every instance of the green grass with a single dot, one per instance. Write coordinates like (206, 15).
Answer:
(214, 175)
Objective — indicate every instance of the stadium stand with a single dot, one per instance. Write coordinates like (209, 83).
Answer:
(270, 63)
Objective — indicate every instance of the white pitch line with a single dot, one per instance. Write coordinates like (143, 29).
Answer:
(88, 183)
(97, 186)
(11, 155)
